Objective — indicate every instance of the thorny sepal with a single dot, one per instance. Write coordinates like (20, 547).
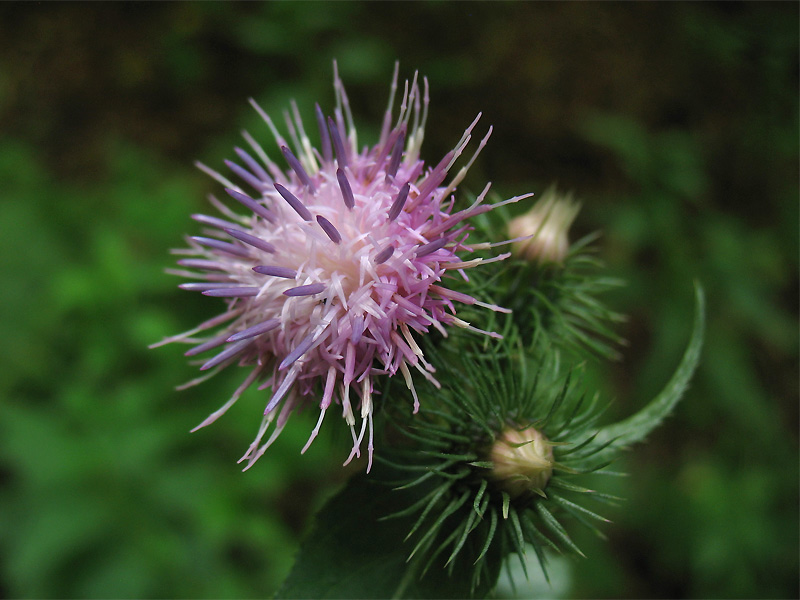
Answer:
(466, 513)
(476, 509)
(563, 306)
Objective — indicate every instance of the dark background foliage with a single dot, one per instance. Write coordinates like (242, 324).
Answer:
(676, 124)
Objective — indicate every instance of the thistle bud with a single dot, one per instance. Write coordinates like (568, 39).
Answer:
(523, 461)
(547, 224)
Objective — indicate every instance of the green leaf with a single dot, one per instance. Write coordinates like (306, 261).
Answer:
(637, 427)
(351, 553)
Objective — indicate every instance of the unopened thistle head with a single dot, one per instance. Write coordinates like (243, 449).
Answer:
(546, 226)
(496, 462)
(522, 461)
(333, 263)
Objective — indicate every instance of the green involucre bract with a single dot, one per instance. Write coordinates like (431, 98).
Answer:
(465, 511)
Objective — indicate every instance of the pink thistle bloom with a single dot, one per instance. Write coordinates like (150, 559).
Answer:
(338, 263)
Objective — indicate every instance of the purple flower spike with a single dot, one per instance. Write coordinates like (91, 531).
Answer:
(229, 352)
(324, 136)
(347, 191)
(202, 264)
(305, 290)
(202, 287)
(255, 330)
(397, 154)
(240, 292)
(254, 167)
(209, 345)
(338, 146)
(352, 322)
(284, 272)
(301, 349)
(213, 221)
(431, 247)
(251, 204)
(298, 168)
(246, 176)
(399, 202)
(384, 255)
(294, 202)
(251, 240)
(226, 247)
(329, 229)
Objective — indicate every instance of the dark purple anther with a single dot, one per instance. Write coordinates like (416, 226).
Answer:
(213, 221)
(284, 272)
(251, 240)
(257, 208)
(383, 255)
(201, 263)
(301, 349)
(213, 343)
(305, 290)
(253, 165)
(229, 352)
(294, 202)
(226, 247)
(435, 177)
(203, 286)
(329, 229)
(347, 191)
(255, 330)
(431, 247)
(298, 168)
(338, 146)
(237, 292)
(399, 202)
(324, 136)
(246, 176)
(397, 154)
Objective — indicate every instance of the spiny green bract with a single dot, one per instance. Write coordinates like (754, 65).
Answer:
(463, 513)
(556, 306)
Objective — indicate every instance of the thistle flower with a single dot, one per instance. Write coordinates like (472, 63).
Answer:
(337, 266)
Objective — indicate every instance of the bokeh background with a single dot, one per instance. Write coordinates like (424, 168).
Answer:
(676, 124)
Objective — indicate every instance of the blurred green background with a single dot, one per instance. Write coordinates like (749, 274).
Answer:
(676, 124)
